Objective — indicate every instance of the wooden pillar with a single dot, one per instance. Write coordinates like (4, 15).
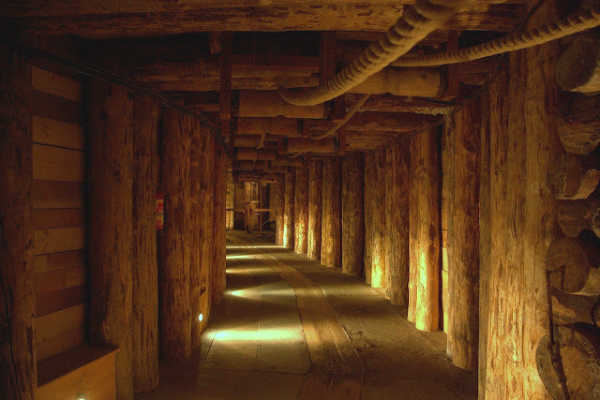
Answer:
(18, 371)
(220, 241)
(463, 254)
(111, 172)
(174, 269)
(288, 209)
(145, 267)
(301, 210)
(425, 232)
(523, 143)
(375, 226)
(315, 187)
(331, 219)
(195, 216)
(447, 157)
(230, 197)
(276, 206)
(353, 227)
(396, 215)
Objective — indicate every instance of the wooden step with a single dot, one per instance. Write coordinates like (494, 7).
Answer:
(85, 372)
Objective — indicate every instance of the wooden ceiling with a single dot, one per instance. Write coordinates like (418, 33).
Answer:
(176, 47)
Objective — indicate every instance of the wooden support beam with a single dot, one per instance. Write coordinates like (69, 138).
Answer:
(375, 269)
(260, 104)
(301, 210)
(331, 219)
(425, 231)
(397, 219)
(579, 122)
(576, 216)
(219, 265)
(301, 146)
(274, 126)
(111, 172)
(225, 78)
(418, 82)
(276, 204)
(255, 155)
(395, 104)
(146, 119)
(575, 177)
(18, 369)
(578, 67)
(288, 209)
(570, 309)
(463, 235)
(315, 188)
(352, 214)
(573, 266)
(175, 305)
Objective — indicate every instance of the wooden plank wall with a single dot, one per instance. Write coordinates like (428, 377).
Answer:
(58, 213)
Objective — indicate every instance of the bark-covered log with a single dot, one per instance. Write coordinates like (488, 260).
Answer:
(111, 172)
(18, 371)
(352, 214)
(574, 266)
(575, 373)
(301, 211)
(145, 268)
(315, 187)
(174, 269)
(447, 158)
(578, 67)
(219, 267)
(375, 226)
(396, 216)
(288, 209)
(575, 177)
(571, 308)
(331, 222)
(425, 231)
(579, 215)
(579, 123)
(463, 253)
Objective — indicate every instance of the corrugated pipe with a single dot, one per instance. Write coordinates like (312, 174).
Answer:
(575, 23)
(418, 22)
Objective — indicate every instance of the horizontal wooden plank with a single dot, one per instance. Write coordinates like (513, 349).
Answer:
(59, 331)
(49, 106)
(57, 217)
(53, 194)
(53, 83)
(56, 300)
(58, 133)
(57, 240)
(76, 374)
(57, 164)
(67, 259)
(59, 279)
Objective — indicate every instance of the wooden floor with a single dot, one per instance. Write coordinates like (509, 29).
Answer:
(289, 328)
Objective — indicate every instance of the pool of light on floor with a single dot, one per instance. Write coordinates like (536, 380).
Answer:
(254, 246)
(259, 335)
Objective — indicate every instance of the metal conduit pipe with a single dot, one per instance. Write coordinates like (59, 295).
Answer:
(575, 23)
(418, 21)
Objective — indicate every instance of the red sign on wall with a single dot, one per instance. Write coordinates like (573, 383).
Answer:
(160, 212)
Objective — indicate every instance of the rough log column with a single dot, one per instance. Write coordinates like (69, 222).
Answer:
(463, 254)
(18, 374)
(396, 215)
(425, 232)
(353, 228)
(315, 187)
(276, 206)
(220, 276)
(111, 171)
(288, 209)
(331, 222)
(447, 156)
(374, 197)
(301, 210)
(523, 143)
(174, 268)
(145, 268)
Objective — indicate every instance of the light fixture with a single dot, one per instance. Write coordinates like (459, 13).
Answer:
(200, 318)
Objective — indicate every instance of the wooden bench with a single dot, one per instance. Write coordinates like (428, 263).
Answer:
(85, 372)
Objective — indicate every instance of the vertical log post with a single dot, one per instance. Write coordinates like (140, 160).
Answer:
(219, 267)
(18, 372)
(396, 215)
(331, 220)
(375, 226)
(315, 187)
(353, 227)
(111, 236)
(174, 268)
(288, 209)
(463, 254)
(301, 210)
(425, 232)
(276, 191)
(447, 156)
(145, 267)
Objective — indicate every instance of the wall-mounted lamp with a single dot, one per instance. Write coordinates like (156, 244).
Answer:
(200, 317)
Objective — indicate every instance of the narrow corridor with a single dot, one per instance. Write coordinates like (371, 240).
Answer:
(288, 328)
